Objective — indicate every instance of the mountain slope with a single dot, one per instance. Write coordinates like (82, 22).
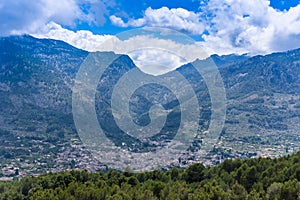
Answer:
(263, 102)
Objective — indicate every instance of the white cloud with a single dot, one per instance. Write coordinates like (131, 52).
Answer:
(237, 26)
(155, 55)
(19, 16)
(117, 21)
(151, 54)
(81, 39)
(176, 18)
(156, 61)
(251, 27)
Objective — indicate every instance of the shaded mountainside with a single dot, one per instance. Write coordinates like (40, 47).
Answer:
(36, 78)
(251, 179)
(263, 98)
(38, 75)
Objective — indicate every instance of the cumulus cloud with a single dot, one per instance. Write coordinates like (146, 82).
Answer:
(177, 18)
(19, 16)
(229, 26)
(81, 39)
(252, 27)
(155, 55)
(156, 61)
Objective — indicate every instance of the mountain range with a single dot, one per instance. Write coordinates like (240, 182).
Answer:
(36, 121)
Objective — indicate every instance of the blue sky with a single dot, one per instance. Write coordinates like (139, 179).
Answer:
(220, 26)
(136, 9)
(284, 4)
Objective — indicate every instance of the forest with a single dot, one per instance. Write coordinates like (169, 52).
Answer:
(252, 179)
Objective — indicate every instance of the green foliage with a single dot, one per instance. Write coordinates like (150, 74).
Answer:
(250, 179)
(195, 173)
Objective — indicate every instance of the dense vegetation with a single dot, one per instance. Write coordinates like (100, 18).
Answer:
(260, 178)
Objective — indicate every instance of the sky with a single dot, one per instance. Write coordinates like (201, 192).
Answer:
(218, 26)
